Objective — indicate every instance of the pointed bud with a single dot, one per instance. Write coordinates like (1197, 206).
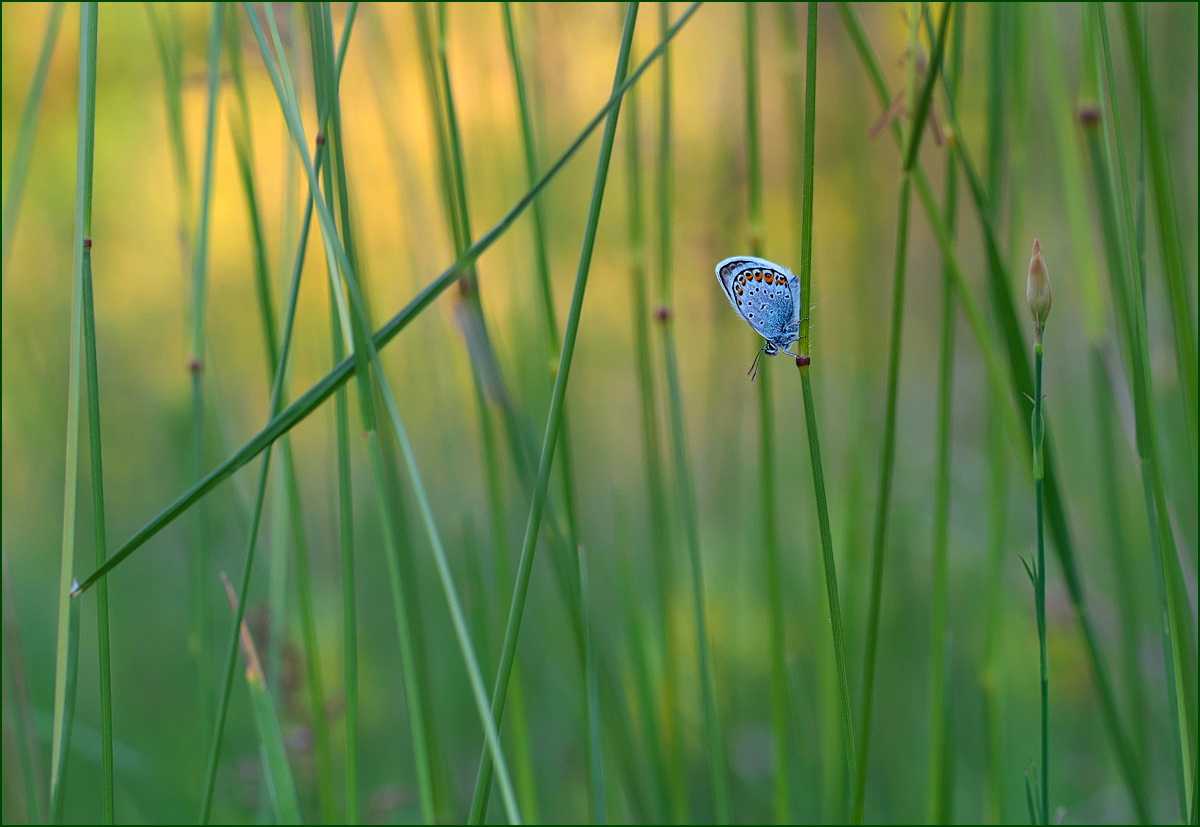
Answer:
(1037, 288)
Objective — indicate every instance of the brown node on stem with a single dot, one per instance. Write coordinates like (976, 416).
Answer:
(803, 361)
(1089, 114)
(195, 366)
(87, 244)
(320, 139)
(662, 314)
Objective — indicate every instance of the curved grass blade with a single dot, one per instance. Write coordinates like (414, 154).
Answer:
(329, 232)
(553, 423)
(280, 785)
(308, 401)
(18, 168)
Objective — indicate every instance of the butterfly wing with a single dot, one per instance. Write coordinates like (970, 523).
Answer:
(763, 294)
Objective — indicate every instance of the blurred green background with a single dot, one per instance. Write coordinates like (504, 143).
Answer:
(142, 298)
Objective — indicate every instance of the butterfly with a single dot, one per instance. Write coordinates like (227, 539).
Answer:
(767, 297)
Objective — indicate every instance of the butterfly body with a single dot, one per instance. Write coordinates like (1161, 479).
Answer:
(766, 296)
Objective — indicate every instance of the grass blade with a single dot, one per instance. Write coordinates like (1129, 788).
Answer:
(766, 445)
(939, 792)
(553, 423)
(280, 785)
(684, 485)
(308, 401)
(201, 637)
(804, 346)
(595, 760)
(19, 166)
(243, 150)
(83, 209)
(919, 108)
(64, 711)
(67, 655)
(669, 755)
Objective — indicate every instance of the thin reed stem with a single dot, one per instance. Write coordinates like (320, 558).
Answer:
(766, 444)
(940, 793)
(670, 755)
(804, 345)
(1038, 429)
(553, 425)
(919, 108)
(201, 637)
(684, 485)
(67, 654)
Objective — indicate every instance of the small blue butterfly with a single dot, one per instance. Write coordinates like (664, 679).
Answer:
(767, 297)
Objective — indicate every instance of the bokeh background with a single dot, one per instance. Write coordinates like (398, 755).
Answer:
(142, 298)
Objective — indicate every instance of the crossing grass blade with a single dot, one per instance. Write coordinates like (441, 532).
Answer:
(364, 343)
(1015, 381)
(19, 165)
(553, 423)
(244, 153)
(281, 787)
(308, 401)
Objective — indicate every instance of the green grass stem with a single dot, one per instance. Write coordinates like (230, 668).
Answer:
(553, 424)
(201, 636)
(67, 650)
(86, 141)
(684, 484)
(920, 107)
(1037, 428)
(308, 401)
(766, 444)
(669, 756)
(18, 169)
(939, 792)
(810, 415)
(243, 151)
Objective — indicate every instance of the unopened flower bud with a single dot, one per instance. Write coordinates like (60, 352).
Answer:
(1037, 288)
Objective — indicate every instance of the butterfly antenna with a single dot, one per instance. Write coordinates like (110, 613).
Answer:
(753, 372)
